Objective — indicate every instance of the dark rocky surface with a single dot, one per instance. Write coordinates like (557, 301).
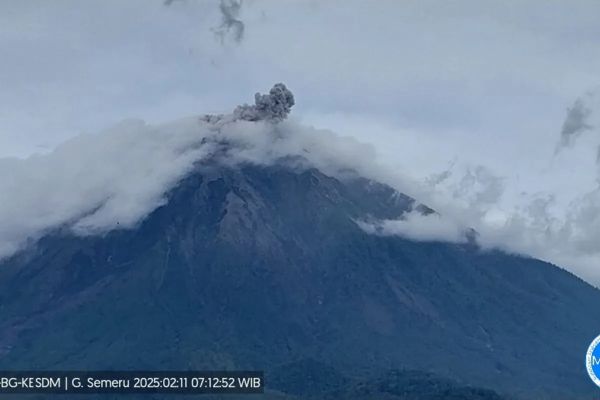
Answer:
(265, 268)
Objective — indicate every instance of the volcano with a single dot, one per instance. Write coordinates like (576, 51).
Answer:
(267, 267)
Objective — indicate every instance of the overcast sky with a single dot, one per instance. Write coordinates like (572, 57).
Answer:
(468, 97)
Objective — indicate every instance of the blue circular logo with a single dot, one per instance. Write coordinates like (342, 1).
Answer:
(592, 361)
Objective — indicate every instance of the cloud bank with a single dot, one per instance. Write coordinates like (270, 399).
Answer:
(418, 226)
(92, 184)
(95, 183)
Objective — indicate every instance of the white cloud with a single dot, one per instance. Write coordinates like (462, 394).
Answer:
(420, 227)
(95, 183)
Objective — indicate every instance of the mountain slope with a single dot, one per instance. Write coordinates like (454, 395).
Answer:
(256, 267)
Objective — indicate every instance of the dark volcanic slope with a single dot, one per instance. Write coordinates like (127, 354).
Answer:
(262, 266)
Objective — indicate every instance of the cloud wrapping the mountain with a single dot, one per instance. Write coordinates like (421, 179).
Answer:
(418, 226)
(92, 184)
(95, 183)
